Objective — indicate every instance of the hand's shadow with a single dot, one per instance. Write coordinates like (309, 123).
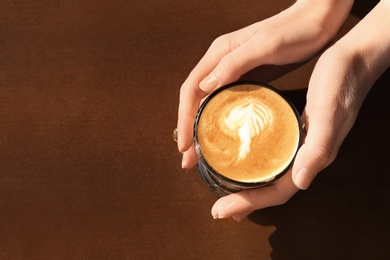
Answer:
(361, 7)
(345, 214)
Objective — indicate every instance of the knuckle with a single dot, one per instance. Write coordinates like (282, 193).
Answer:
(324, 155)
(282, 200)
(221, 40)
(229, 63)
(183, 88)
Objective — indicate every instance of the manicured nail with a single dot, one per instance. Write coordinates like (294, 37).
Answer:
(301, 179)
(215, 211)
(237, 218)
(183, 163)
(177, 139)
(174, 135)
(179, 144)
(209, 83)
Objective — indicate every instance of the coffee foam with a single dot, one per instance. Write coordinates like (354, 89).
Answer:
(248, 133)
(247, 118)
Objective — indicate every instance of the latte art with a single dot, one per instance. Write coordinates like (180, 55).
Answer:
(246, 133)
(247, 120)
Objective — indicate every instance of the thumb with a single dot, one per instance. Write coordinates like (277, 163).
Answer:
(310, 160)
(231, 67)
(239, 205)
(317, 151)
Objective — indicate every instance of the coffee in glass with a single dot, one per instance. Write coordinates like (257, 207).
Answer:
(246, 135)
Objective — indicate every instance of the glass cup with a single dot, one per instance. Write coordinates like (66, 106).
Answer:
(246, 135)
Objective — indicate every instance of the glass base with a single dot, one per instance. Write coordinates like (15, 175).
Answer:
(217, 187)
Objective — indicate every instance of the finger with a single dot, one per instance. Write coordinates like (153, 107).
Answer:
(321, 145)
(322, 140)
(190, 158)
(329, 114)
(190, 98)
(337, 88)
(241, 204)
(191, 95)
(233, 65)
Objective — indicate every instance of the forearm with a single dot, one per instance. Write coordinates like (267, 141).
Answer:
(329, 15)
(369, 43)
(305, 28)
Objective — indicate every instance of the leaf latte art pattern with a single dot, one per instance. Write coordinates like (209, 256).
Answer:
(247, 119)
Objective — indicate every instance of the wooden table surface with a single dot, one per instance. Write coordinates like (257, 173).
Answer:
(89, 92)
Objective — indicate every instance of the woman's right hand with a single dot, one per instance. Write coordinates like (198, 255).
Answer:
(294, 35)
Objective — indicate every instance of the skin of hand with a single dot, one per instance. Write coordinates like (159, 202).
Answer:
(340, 81)
(303, 30)
(338, 86)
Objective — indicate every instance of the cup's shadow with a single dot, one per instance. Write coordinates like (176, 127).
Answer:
(345, 214)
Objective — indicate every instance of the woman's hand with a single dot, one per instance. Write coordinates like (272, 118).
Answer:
(338, 86)
(292, 36)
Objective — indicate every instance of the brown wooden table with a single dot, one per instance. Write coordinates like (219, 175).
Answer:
(88, 168)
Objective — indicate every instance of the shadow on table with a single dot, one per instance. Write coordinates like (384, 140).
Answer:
(362, 7)
(345, 214)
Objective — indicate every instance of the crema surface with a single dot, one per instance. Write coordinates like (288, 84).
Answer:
(248, 133)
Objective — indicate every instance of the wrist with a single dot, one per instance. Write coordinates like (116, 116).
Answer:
(369, 40)
(329, 15)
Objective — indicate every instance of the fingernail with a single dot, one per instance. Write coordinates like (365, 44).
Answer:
(174, 134)
(177, 139)
(237, 218)
(183, 163)
(179, 142)
(215, 212)
(209, 83)
(301, 179)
